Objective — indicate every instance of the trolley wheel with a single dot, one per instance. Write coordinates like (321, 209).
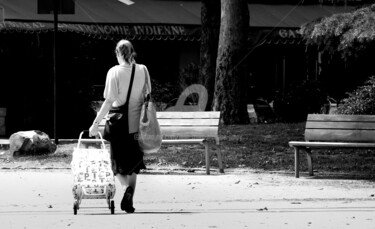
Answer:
(75, 207)
(112, 207)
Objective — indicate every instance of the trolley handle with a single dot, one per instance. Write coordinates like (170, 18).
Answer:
(84, 131)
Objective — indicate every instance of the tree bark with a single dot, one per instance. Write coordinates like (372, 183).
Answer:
(231, 69)
(210, 22)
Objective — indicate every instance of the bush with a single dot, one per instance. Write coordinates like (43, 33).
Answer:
(163, 94)
(361, 101)
(189, 75)
(300, 100)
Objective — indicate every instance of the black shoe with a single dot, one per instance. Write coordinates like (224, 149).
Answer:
(127, 200)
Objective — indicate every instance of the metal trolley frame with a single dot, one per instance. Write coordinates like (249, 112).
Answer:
(96, 190)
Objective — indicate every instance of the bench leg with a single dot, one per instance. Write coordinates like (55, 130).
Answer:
(207, 152)
(309, 162)
(220, 160)
(296, 161)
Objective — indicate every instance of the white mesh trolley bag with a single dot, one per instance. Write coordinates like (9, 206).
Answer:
(92, 172)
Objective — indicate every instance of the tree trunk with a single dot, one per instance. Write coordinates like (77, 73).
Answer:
(210, 21)
(231, 70)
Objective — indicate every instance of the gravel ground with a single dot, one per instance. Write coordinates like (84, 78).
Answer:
(237, 199)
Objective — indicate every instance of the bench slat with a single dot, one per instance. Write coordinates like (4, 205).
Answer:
(188, 122)
(340, 125)
(191, 132)
(165, 141)
(198, 118)
(185, 114)
(332, 144)
(340, 135)
(4, 141)
(182, 141)
(336, 118)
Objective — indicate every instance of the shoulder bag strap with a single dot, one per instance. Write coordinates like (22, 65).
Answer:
(130, 84)
(121, 108)
(147, 96)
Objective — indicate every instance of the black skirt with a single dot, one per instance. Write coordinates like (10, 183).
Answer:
(126, 156)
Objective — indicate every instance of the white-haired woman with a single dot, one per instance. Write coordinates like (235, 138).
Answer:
(127, 159)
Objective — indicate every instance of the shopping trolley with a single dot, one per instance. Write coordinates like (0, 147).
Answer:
(92, 172)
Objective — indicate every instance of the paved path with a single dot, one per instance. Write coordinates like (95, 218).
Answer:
(254, 200)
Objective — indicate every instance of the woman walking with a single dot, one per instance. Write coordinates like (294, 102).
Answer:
(127, 159)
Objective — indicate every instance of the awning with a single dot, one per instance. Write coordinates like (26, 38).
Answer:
(110, 31)
(290, 16)
(157, 19)
(111, 12)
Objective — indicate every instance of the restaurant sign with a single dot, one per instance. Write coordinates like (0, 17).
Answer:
(289, 33)
(108, 31)
(274, 36)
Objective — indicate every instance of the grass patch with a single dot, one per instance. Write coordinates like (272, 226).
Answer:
(254, 146)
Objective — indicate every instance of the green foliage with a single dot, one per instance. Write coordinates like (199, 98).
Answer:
(361, 101)
(347, 33)
(166, 94)
(188, 76)
(300, 100)
(163, 93)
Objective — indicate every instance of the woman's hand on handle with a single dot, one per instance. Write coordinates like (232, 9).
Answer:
(106, 106)
(93, 131)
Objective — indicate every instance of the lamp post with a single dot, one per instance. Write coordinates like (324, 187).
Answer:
(55, 32)
(55, 7)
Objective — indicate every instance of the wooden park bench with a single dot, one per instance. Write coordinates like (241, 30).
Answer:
(190, 128)
(334, 131)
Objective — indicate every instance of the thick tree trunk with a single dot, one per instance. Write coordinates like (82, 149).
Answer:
(231, 70)
(210, 20)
